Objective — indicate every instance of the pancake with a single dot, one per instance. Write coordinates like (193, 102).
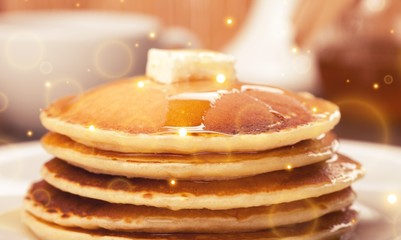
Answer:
(327, 227)
(264, 189)
(53, 205)
(189, 117)
(195, 166)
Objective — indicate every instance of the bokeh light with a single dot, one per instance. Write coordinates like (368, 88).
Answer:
(119, 183)
(182, 132)
(45, 67)
(370, 108)
(376, 86)
(113, 59)
(388, 79)
(173, 182)
(24, 50)
(91, 128)
(392, 198)
(42, 196)
(229, 21)
(3, 102)
(140, 84)
(220, 78)
(29, 133)
(152, 35)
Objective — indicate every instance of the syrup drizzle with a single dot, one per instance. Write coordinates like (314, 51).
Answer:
(194, 105)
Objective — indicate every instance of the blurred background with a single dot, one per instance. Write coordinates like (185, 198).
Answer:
(347, 51)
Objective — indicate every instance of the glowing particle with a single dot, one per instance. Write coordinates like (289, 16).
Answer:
(89, 69)
(229, 21)
(48, 84)
(392, 31)
(91, 128)
(172, 182)
(392, 198)
(220, 78)
(77, 5)
(29, 133)
(121, 1)
(289, 167)
(294, 50)
(388, 79)
(141, 84)
(375, 86)
(152, 35)
(189, 43)
(136, 45)
(182, 132)
(347, 81)
(314, 109)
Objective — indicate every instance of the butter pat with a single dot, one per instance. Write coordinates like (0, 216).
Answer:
(170, 66)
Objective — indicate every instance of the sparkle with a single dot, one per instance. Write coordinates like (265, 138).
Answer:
(392, 198)
(77, 5)
(294, 50)
(388, 79)
(91, 128)
(289, 167)
(152, 35)
(136, 45)
(392, 31)
(347, 81)
(220, 78)
(314, 109)
(229, 21)
(29, 133)
(140, 84)
(48, 84)
(182, 132)
(172, 182)
(375, 86)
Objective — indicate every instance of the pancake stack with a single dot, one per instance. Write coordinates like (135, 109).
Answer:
(194, 159)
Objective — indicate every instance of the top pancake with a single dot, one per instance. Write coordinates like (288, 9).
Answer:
(189, 117)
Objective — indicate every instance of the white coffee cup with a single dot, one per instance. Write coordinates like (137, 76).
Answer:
(46, 55)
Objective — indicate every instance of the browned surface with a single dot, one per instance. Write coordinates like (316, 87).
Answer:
(66, 205)
(124, 107)
(320, 174)
(308, 147)
(339, 222)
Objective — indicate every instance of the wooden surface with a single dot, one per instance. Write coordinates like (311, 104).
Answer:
(206, 18)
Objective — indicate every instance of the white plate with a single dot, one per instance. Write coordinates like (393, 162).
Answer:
(380, 220)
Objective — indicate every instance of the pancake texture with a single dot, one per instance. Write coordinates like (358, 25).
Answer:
(53, 205)
(190, 117)
(264, 189)
(202, 158)
(205, 166)
(327, 227)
